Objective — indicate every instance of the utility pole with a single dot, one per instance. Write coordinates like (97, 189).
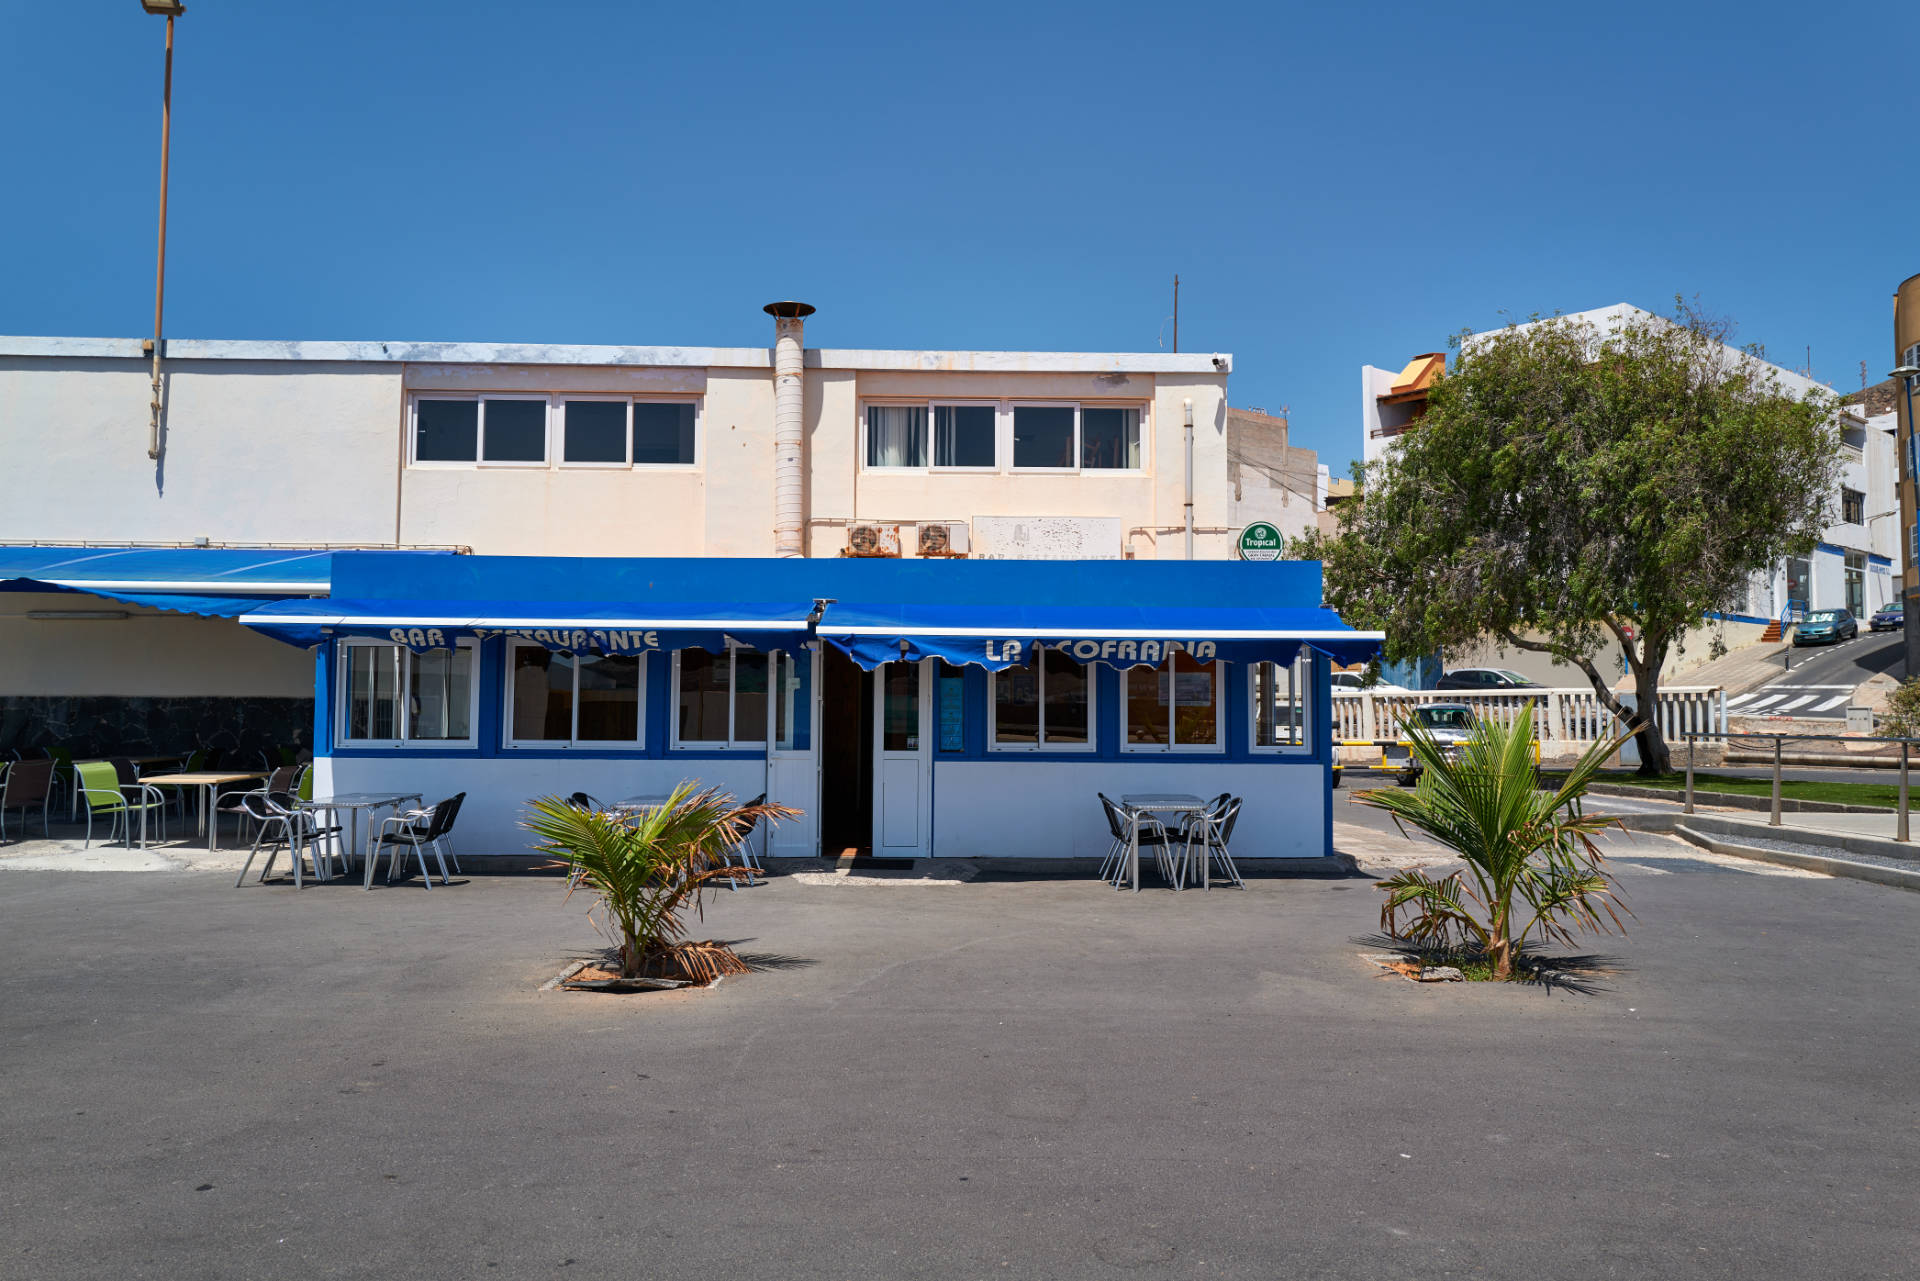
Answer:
(170, 9)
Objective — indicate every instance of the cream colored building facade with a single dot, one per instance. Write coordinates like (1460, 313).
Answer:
(511, 449)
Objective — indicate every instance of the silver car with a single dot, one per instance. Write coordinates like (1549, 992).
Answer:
(1449, 724)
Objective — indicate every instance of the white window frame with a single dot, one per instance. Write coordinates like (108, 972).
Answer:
(1079, 407)
(1219, 744)
(699, 404)
(1302, 669)
(559, 417)
(933, 436)
(575, 742)
(905, 402)
(1013, 410)
(731, 743)
(343, 691)
(1040, 672)
(1141, 408)
(556, 438)
(480, 445)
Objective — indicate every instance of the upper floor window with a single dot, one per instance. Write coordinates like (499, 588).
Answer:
(1076, 437)
(392, 697)
(1173, 707)
(1064, 437)
(1853, 507)
(558, 699)
(1043, 706)
(539, 431)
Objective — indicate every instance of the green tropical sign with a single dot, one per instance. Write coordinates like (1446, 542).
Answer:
(1259, 541)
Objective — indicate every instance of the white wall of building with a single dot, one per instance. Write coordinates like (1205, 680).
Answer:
(150, 653)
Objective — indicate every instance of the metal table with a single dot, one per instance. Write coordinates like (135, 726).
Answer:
(208, 781)
(641, 802)
(353, 803)
(1139, 804)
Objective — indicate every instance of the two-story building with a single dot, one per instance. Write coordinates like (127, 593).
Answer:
(620, 611)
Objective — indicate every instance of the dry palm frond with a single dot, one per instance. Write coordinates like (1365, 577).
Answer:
(647, 868)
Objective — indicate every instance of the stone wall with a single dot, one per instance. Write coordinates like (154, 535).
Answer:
(241, 728)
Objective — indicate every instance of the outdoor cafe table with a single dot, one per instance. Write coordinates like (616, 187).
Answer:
(353, 803)
(641, 802)
(208, 781)
(1139, 805)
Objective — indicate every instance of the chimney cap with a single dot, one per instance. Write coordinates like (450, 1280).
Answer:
(788, 310)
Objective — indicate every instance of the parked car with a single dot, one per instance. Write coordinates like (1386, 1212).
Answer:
(1352, 680)
(1826, 626)
(1484, 678)
(1448, 723)
(1888, 618)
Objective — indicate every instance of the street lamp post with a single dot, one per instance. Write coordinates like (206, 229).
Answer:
(169, 9)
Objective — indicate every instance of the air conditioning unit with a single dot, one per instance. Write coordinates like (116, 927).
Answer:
(943, 538)
(873, 540)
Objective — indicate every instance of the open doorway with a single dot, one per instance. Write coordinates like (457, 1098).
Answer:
(846, 756)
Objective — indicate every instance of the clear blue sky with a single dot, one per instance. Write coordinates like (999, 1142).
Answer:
(1335, 184)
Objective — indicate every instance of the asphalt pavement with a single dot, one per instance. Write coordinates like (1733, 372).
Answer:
(1032, 1078)
(1820, 680)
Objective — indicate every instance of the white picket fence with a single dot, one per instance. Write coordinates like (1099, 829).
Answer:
(1563, 718)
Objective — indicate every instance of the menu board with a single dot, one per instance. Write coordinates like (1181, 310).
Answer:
(952, 721)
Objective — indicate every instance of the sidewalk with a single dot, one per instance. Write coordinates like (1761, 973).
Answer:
(1742, 670)
(1861, 846)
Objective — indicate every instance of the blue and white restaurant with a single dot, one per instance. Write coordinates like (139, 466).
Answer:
(966, 709)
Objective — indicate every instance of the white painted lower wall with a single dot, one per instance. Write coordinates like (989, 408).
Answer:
(995, 809)
(498, 789)
(982, 809)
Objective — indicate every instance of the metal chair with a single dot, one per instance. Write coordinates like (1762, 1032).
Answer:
(1152, 835)
(742, 849)
(419, 831)
(97, 783)
(1212, 829)
(26, 783)
(277, 814)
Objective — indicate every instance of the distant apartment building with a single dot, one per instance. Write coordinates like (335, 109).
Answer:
(1390, 402)
(1853, 565)
(1906, 345)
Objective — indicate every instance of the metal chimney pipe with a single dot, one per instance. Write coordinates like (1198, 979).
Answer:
(789, 406)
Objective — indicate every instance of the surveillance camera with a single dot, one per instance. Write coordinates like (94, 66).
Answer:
(1220, 363)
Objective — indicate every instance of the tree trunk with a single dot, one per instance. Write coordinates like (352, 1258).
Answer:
(1655, 757)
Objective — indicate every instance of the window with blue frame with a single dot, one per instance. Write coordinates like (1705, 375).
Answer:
(1177, 706)
(1282, 702)
(559, 699)
(727, 700)
(391, 697)
(1044, 706)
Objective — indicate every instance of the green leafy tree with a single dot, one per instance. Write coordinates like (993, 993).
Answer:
(1533, 871)
(1568, 487)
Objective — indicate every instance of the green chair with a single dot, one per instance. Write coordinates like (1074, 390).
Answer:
(120, 803)
(305, 790)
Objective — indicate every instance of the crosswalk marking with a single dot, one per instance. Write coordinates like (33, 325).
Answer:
(1831, 703)
(1800, 701)
(1738, 699)
(1771, 698)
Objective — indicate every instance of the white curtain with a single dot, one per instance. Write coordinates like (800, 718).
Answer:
(896, 436)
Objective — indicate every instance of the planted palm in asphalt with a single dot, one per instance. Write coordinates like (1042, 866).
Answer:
(648, 868)
(1532, 869)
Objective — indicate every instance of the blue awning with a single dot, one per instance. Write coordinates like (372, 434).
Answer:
(1007, 634)
(583, 626)
(218, 582)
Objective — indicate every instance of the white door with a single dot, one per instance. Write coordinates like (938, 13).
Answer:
(902, 760)
(793, 776)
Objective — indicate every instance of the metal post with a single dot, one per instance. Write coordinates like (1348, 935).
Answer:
(160, 272)
(1900, 832)
(1773, 820)
(1689, 806)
